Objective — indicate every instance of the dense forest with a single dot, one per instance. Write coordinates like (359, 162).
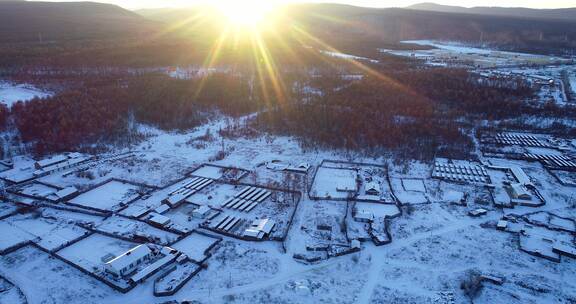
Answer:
(71, 118)
(414, 111)
(95, 108)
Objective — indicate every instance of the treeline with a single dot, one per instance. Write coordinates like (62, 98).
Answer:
(71, 118)
(100, 108)
(416, 113)
(4, 114)
(186, 103)
(464, 94)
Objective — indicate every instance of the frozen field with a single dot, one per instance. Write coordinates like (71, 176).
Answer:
(47, 233)
(209, 172)
(379, 210)
(416, 185)
(131, 229)
(335, 183)
(89, 252)
(215, 194)
(39, 276)
(12, 236)
(108, 196)
(453, 53)
(6, 209)
(435, 244)
(405, 196)
(195, 245)
(10, 293)
(38, 190)
(72, 217)
(11, 93)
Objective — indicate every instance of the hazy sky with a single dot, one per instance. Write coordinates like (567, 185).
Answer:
(132, 4)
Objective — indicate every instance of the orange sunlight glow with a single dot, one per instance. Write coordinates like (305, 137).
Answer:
(250, 20)
(246, 13)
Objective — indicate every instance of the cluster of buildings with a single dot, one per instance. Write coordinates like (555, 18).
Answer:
(542, 234)
(501, 171)
(141, 262)
(460, 172)
(43, 167)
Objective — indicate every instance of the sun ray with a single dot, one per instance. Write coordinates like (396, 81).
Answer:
(212, 57)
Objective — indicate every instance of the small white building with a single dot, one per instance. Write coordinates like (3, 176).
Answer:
(162, 209)
(519, 191)
(520, 175)
(300, 168)
(65, 193)
(373, 188)
(502, 225)
(478, 212)
(363, 216)
(259, 229)
(277, 165)
(129, 261)
(159, 219)
(50, 161)
(201, 212)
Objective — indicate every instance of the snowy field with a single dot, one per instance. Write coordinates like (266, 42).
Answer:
(209, 172)
(334, 183)
(379, 210)
(435, 243)
(12, 236)
(348, 56)
(6, 209)
(38, 190)
(89, 252)
(10, 293)
(11, 93)
(46, 233)
(215, 194)
(108, 196)
(39, 275)
(416, 185)
(195, 245)
(454, 53)
(127, 228)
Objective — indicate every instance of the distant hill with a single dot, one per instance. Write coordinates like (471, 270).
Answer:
(359, 28)
(561, 14)
(23, 21)
(337, 23)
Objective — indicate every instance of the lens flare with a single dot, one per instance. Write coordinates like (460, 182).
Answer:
(246, 13)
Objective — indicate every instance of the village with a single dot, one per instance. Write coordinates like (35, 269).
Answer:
(157, 237)
(199, 217)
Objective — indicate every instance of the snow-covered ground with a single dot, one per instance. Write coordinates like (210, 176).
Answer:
(107, 196)
(446, 53)
(435, 243)
(11, 93)
(348, 56)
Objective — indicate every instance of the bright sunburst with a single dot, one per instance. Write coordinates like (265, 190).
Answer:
(246, 13)
(255, 26)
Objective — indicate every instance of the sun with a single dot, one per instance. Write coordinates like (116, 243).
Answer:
(246, 13)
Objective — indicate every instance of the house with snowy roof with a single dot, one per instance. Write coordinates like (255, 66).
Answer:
(129, 261)
(519, 191)
(259, 229)
(373, 188)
